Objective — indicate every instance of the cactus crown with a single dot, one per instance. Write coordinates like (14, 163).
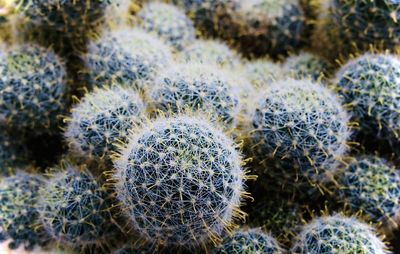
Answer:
(168, 22)
(33, 87)
(102, 119)
(19, 218)
(370, 85)
(337, 234)
(197, 87)
(249, 241)
(181, 181)
(74, 208)
(371, 185)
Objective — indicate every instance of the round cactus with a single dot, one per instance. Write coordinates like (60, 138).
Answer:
(197, 87)
(74, 209)
(263, 73)
(181, 182)
(211, 52)
(372, 186)
(115, 59)
(19, 217)
(307, 65)
(302, 128)
(249, 241)
(262, 27)
(370, 86)
(337, 234)
(102, 119)
(168, 22)
(365, 22)
(33, 90)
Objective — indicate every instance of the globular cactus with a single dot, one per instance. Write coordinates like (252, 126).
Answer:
(365, 22)
(103, 119)
(370, 87)
(75, 210)
(307, 65)
(181, 182)
(371, 185)
(198, 87)
(337, 234)
(211, 52)
(33, 90)
(260, 27)
(263, 73)
(19, 217)
(168, 22)
(114, 58)
(249, 241)
(13, 150)
(302, 128)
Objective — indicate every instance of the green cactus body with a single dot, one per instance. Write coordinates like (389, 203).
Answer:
(181, 182)
(337, 234)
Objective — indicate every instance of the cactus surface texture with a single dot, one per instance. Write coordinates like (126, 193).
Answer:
(307, 65)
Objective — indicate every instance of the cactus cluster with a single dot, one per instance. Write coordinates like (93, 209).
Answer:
(365, 23)
(337, 234)
(307, 65)
(33, 89)
(114, 60)
(371, 185)
(19, 217)
(303, 128)
(74, 209)
(168, 22)
(249, 241)
(211, 52)
(370, 87)
(181, 182)
(102, 120)
(197, 87)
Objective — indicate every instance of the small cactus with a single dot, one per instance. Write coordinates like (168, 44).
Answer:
(197, 87)
(168, 22)
(19, 217)
(249, 241)
(180, 181)
(307, 65)
(337, 234)
(33, 90)
(74, 209)
(302, 128)
(370, 86)
(102, 119)
(211, 52)
(371, 185)
(263, 73)
(365, 22)
(114, 59)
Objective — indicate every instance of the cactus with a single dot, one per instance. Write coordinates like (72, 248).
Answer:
(371, 185)
(211, 52)
(19, 217)
(168, 22)
(262, 27)
(365, 22)
(33, 91)
(139, 249)
(302, 128)
(337, 234)
(181, 182)
(307, 65)
(74, 209)
(13, 150)
(263, 73)
(249, 241)
(370, 86)
(102, 119)
(197, 87)
(114, 59)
